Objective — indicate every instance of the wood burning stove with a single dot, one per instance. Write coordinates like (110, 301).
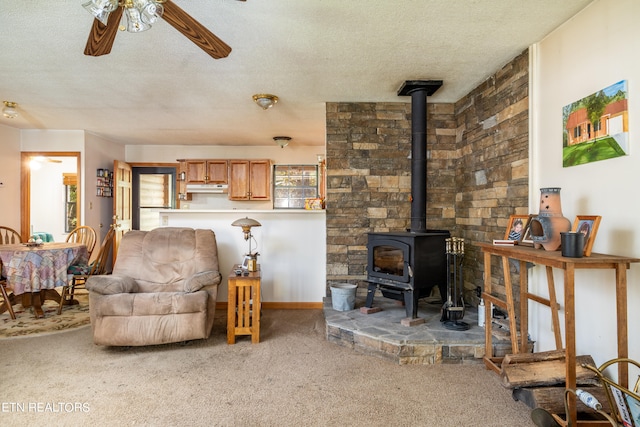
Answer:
(405, 266)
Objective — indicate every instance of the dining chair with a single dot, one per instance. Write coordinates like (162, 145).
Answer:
(5, 299)
(85, 235)
(81, 272)
(9, 236)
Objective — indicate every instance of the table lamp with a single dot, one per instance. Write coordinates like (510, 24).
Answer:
(246, 224)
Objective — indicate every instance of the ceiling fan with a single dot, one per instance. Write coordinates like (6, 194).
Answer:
(140, 15)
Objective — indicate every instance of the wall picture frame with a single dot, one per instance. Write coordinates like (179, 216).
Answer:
(588, 225)
(516, 228)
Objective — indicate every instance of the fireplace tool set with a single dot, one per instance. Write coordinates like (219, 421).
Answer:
(453, 308)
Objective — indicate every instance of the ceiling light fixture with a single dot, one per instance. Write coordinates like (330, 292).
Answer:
(10, 110)
(140, 13)
(265, 100)
(282, 141)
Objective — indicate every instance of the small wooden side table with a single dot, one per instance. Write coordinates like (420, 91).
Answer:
(243, 306)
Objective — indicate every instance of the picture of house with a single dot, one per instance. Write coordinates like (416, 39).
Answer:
(600, 121)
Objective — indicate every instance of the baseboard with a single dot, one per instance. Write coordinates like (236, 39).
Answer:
(281, 305)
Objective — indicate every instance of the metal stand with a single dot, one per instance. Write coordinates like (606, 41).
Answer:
(453, 308)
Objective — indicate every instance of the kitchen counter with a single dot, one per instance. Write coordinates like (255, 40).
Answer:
(261, 211)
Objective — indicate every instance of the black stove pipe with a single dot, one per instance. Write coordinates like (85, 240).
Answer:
(419, 90)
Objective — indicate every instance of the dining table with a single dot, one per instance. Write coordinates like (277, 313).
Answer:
(34, 271)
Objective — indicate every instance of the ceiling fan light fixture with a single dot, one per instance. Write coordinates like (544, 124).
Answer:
(265, 100)
(10, 110)
(101, 9)
(135, 23)
(282, 141)
(151, 12)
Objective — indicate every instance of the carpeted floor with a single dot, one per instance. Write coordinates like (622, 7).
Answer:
(293, 377)
(26, 324)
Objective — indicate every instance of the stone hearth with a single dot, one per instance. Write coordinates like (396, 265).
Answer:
(382, 334)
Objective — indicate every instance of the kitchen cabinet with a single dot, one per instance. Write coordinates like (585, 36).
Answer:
(249, 179)
(206, 171)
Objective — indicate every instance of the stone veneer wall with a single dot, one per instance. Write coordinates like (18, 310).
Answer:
(369, 177)
(477, 171)
(492, 172)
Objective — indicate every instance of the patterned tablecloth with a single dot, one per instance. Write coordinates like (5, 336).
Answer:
(32, 269)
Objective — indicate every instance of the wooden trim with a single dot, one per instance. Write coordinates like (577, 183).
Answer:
(222, 305)
(154, 165)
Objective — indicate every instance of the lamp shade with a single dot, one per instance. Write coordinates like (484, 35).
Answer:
(101, 9)
(9, 110)
(282, 141)
(265, 100)
(135, 23)
(246, 222)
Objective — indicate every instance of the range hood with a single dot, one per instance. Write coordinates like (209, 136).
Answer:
(207, 188)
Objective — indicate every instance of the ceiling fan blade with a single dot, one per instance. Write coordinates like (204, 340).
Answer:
(102, 36)
(195, 31)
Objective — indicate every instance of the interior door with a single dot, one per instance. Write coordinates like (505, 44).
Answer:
(121, 202)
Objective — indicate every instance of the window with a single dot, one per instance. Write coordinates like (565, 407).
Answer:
(70, 182)
(293, 184)
(152, 189)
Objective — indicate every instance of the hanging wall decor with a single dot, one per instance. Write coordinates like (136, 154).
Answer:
(596, 127)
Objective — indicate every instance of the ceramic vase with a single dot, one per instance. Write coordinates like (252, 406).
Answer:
(549, 223)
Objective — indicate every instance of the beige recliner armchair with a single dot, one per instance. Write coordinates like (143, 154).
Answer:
(163, 289)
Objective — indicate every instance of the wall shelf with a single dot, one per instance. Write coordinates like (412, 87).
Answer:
(104, 183)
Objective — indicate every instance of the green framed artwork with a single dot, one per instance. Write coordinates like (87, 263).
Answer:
(596, 127)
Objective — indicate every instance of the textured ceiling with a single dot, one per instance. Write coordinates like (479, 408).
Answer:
(157, 87)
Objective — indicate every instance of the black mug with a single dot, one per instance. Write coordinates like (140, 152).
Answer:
(572, 244)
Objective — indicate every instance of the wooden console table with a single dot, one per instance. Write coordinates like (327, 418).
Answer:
(524, 255)
(243, 306)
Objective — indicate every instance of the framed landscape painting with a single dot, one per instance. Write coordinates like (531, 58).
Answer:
(596, 127)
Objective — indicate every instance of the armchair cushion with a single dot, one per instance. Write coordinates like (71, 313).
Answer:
(199, 280)
(110, 285)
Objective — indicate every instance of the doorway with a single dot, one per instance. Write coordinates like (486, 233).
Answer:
(153, 189)
(50, 193)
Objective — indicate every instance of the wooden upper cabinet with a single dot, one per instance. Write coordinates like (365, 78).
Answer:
(260, 179)
(217, 172)
(206, 171)
(249, 179)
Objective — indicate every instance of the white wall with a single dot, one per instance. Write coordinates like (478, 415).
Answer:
(291, 244)
(170, 153)
(10, 177)
(595, 49)
(99, 154)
